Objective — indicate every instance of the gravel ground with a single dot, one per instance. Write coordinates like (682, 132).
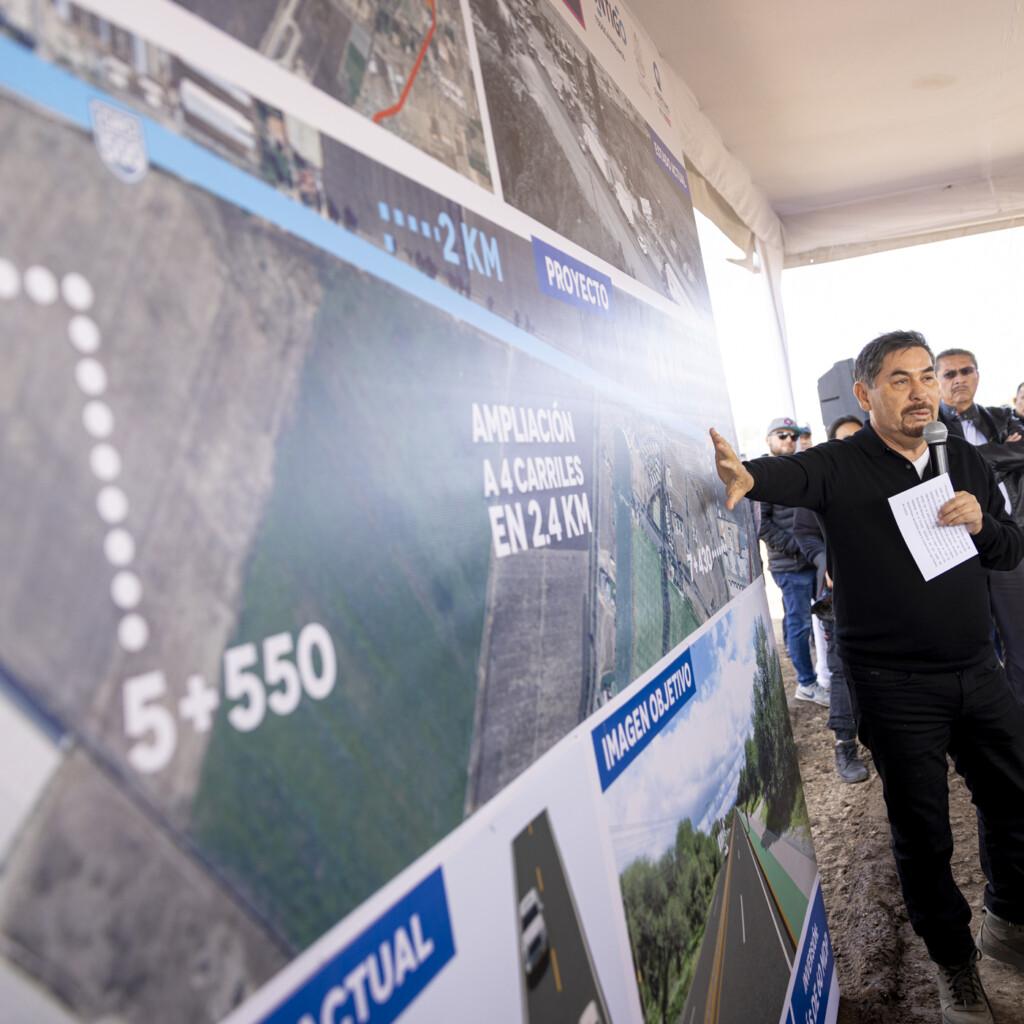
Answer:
(885, 975)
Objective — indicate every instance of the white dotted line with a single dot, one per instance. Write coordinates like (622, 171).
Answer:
(40, 284)
(10, 280)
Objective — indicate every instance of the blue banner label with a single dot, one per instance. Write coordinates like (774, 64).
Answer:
(624, 734)
(377, 975)
(669, 164)
(565, 278)
(813, 969)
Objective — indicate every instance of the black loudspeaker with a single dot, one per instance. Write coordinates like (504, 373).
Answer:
(835, 393)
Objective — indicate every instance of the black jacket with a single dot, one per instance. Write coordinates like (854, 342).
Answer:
(810, 539)
(997, 423)
(887, 615)
(776, 530)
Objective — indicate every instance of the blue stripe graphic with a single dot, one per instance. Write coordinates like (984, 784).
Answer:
(51, 87)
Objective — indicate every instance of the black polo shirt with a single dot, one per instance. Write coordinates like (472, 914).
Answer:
(887, 615)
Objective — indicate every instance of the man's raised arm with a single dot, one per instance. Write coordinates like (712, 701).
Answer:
(783, 479)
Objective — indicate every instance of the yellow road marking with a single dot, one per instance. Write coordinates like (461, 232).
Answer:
(554, 967)
(540, 878)
(529, 828)
(711, 1007)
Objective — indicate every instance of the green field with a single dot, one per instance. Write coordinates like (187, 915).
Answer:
(648, 613)
(375, 528)
(647, 610)
(352, 75)
(684, 619)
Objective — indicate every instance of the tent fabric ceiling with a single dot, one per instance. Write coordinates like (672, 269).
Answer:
(863, 125)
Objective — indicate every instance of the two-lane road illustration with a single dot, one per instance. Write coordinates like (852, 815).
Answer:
(558, 975)
(747, 955)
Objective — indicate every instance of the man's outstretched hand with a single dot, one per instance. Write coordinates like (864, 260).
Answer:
(731, 471)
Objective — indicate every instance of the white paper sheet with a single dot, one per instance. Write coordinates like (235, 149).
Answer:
(935, 548)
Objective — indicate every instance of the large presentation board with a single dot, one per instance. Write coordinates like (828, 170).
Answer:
(375, 640)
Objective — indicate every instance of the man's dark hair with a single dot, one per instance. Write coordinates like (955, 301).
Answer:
(873, 354)
(1019, 386)
(833, 427)
(957, 352)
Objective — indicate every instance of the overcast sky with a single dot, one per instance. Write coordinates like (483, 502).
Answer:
(691, 769)
(964, 292)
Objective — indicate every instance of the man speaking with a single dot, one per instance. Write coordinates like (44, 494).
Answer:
(919, 653)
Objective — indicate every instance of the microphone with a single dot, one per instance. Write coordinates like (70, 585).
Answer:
(935, 434)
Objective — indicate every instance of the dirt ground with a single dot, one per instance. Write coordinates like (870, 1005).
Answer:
(885, 976)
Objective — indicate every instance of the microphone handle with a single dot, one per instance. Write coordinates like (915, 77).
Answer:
(941, 459)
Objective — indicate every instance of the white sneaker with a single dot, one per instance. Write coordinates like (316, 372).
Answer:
(962, 998)
(1002, 940)
(814, 693)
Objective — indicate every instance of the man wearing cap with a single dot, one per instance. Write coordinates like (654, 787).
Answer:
(995, 432)
(793, 574)
(918, 653)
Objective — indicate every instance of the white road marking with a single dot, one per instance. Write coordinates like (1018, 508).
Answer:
(771, 914)
(743, 920)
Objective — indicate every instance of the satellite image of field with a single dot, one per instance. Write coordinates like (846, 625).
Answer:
(292, 451)
(574, 153)
(253, 579)
(403, 63)
(193, 425)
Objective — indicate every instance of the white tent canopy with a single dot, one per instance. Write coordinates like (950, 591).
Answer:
(837, 129)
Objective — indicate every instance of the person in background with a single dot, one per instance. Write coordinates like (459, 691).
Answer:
(918, 653)
(995, 432)
(821, 666)
(1018, 402)
(793, 574)
(809, 535)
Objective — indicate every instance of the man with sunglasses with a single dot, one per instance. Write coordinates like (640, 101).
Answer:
(793, 574)
(996, 434)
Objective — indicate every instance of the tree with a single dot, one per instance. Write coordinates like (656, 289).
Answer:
(666, 903)
(770, 767)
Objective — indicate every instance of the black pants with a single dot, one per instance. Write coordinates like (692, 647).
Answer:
(910, 722)
(840, 705)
